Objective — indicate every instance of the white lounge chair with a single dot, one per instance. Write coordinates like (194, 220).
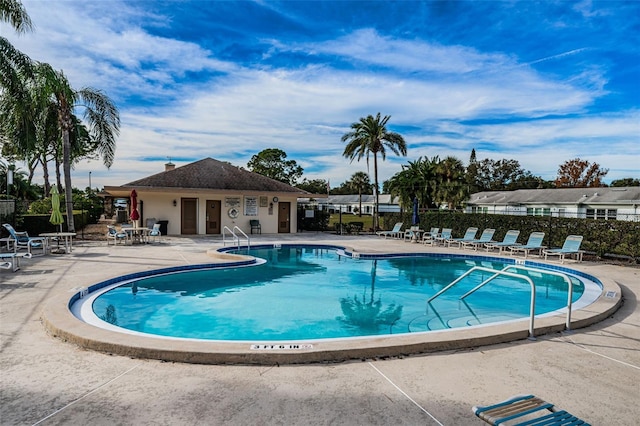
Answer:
(470, 235)
(510, 239)
(429, 237)
(13, 261)
(443, 237)
(534, 243)
(22, 240)
(485, 237)
(570, 247)
(394, 233)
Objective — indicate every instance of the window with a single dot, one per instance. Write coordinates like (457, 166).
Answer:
(538, 211)
(606, 214)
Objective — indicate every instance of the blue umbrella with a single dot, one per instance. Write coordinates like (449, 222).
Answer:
(415, 219)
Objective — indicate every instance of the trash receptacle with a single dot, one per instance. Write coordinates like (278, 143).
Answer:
(163, 226)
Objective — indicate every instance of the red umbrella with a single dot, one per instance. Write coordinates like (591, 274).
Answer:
(134, 206)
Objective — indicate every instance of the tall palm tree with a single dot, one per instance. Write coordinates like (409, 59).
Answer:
(359, 182)
(370, 136)
(103, 122)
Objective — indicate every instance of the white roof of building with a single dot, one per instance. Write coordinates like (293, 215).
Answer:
(609, 195)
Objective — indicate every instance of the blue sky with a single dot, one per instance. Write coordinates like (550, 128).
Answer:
(541, 83)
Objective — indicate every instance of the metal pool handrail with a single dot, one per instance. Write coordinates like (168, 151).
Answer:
(543, 271)
(236, 238)
(497, 273)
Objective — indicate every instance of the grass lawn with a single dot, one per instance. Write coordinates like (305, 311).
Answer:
(348, 218)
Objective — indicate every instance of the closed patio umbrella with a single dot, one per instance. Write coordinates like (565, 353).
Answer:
(56, 217)
(415, 219)
(134, 205)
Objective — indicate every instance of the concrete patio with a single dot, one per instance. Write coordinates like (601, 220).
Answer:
(593, 372)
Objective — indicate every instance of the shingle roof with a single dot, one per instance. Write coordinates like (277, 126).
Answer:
(213, 174)
(625, 195)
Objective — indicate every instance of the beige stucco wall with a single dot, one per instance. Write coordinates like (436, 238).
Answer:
(160, 206)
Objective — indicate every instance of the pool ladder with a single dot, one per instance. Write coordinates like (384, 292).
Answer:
(504, 271)
(236, 238)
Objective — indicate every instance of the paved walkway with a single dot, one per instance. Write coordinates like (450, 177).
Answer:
(593, 372)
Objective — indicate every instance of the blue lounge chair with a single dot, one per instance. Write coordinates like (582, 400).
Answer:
(443, 237)
(534, 243)
(485, 237)
(526, 410)
(22, 240)
(571, 246)
(470, 235)
(13, 261)
(395, 232)
(428, 237)
(510, 239)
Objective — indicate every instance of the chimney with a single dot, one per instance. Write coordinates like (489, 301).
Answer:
(169, 166)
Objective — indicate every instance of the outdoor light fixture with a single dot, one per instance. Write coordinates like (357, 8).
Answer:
(175, 203)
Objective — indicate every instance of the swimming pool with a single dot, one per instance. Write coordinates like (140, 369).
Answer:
(307, 293)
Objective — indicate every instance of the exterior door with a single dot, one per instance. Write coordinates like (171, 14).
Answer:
(213, 216)
(189, 221)
(284, 218)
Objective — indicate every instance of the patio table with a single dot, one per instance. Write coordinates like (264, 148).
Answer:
(67, 236)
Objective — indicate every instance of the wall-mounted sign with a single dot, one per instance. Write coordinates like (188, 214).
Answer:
(251, 206)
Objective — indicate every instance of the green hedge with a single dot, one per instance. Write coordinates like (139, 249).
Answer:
(36, 224)
(601, 237)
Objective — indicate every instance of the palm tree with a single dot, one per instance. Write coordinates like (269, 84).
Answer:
(14, 65)
(14, 13)
(452, 188)
(103, 121)
(417, 179)
(359, 182)
(370, 136)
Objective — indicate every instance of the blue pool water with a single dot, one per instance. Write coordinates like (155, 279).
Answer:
(303, 293)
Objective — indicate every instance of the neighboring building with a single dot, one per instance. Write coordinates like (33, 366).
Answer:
(205, 196)
(351, 203)
(590, 203)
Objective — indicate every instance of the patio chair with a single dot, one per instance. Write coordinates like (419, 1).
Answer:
(429, 237)
(155, 232)
(571, 246)
(13, 261)
(395, 232)
(534, 243)
(115, 236)
(22, 240)
(525, 410)
(412, 233)
(255, 226)
(510, 239)
(485, 237)
(443, 237)
(470, 235)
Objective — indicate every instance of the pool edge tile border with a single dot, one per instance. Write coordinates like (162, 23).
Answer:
(60, 322)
